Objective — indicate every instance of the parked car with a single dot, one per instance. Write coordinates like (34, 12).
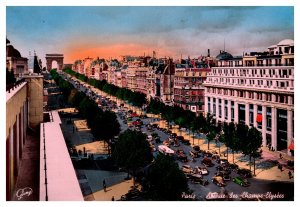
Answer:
(195, 175)
(196, 148)
(241, 182)
(215, 157)
(207, 154)
(187, 169)
(180, 138)
(224, 175)
(200, 181)
(222, 161)
(223, 168)
(218, 180)
(176, 143)
(244, 173)
(149, 138)
(194, 153)
(166, 143)
(207, 162)
(182, 157)
(186, 142)
(233, 166)
(202, 170)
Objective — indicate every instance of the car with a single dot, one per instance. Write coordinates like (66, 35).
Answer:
(222, 161)
(182, 157)
(186, 142)
(194, 154)
(149, 138)
(233, 166)
(202, 170)
(244, 173)
(224, 175)
(196, 148)
(218, 180)
(180, 138)
(215, 157)
(187, 169)
(207, 162)
(169, 132)
(166, 143)
(200, 181)
(207, 154)
(241, 182)
(154, 125)
(176, 143)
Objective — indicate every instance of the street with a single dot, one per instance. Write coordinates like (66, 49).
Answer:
(257, 186)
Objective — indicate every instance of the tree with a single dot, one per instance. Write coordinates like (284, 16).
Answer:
(132, 151)
(252, 143)
(210, 136)
(106, 126)
(165, 181)
(209, 128)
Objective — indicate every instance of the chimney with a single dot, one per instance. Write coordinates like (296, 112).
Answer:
(208, 53)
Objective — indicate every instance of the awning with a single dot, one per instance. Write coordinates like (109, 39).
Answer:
(291, 146)
(259, 118)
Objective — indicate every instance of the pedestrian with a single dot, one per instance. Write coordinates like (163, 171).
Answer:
(269, 146)
(113, 198)
(280, 155)
(104, 185)
(290, 174)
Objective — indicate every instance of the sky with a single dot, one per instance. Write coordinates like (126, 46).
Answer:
(80, 32)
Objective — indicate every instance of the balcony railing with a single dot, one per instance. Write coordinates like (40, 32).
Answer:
(12, 86)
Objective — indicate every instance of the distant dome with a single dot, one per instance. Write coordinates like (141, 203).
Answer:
(288, 42)
(224, 56)
(12, 52)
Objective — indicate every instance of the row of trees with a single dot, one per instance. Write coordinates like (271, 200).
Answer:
(135, 98)
(237, 137)
(132, 151)
(163, 180)
(103, 124)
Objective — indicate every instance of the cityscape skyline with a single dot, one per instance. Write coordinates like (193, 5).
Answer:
(113, 31)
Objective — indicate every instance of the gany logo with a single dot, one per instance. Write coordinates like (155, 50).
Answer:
(24, 191)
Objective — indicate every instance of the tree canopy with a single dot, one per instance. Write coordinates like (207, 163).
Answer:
(132, 151)
(165, 181)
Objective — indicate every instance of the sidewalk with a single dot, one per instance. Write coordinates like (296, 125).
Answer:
(270, 172)
(116, 190)
(268, 157)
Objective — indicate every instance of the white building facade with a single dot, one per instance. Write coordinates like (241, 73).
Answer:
(258, 90)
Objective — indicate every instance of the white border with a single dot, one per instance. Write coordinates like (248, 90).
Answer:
(5, 3)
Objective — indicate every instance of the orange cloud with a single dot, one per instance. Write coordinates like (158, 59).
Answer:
(114, 51)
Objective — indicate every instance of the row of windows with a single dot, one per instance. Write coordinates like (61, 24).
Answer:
(245, 72)
(253, 82)
(278, 98)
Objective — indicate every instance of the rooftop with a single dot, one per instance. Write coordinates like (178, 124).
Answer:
(62, 183)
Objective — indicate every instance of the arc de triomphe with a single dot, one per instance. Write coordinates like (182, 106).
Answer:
(59, 58)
